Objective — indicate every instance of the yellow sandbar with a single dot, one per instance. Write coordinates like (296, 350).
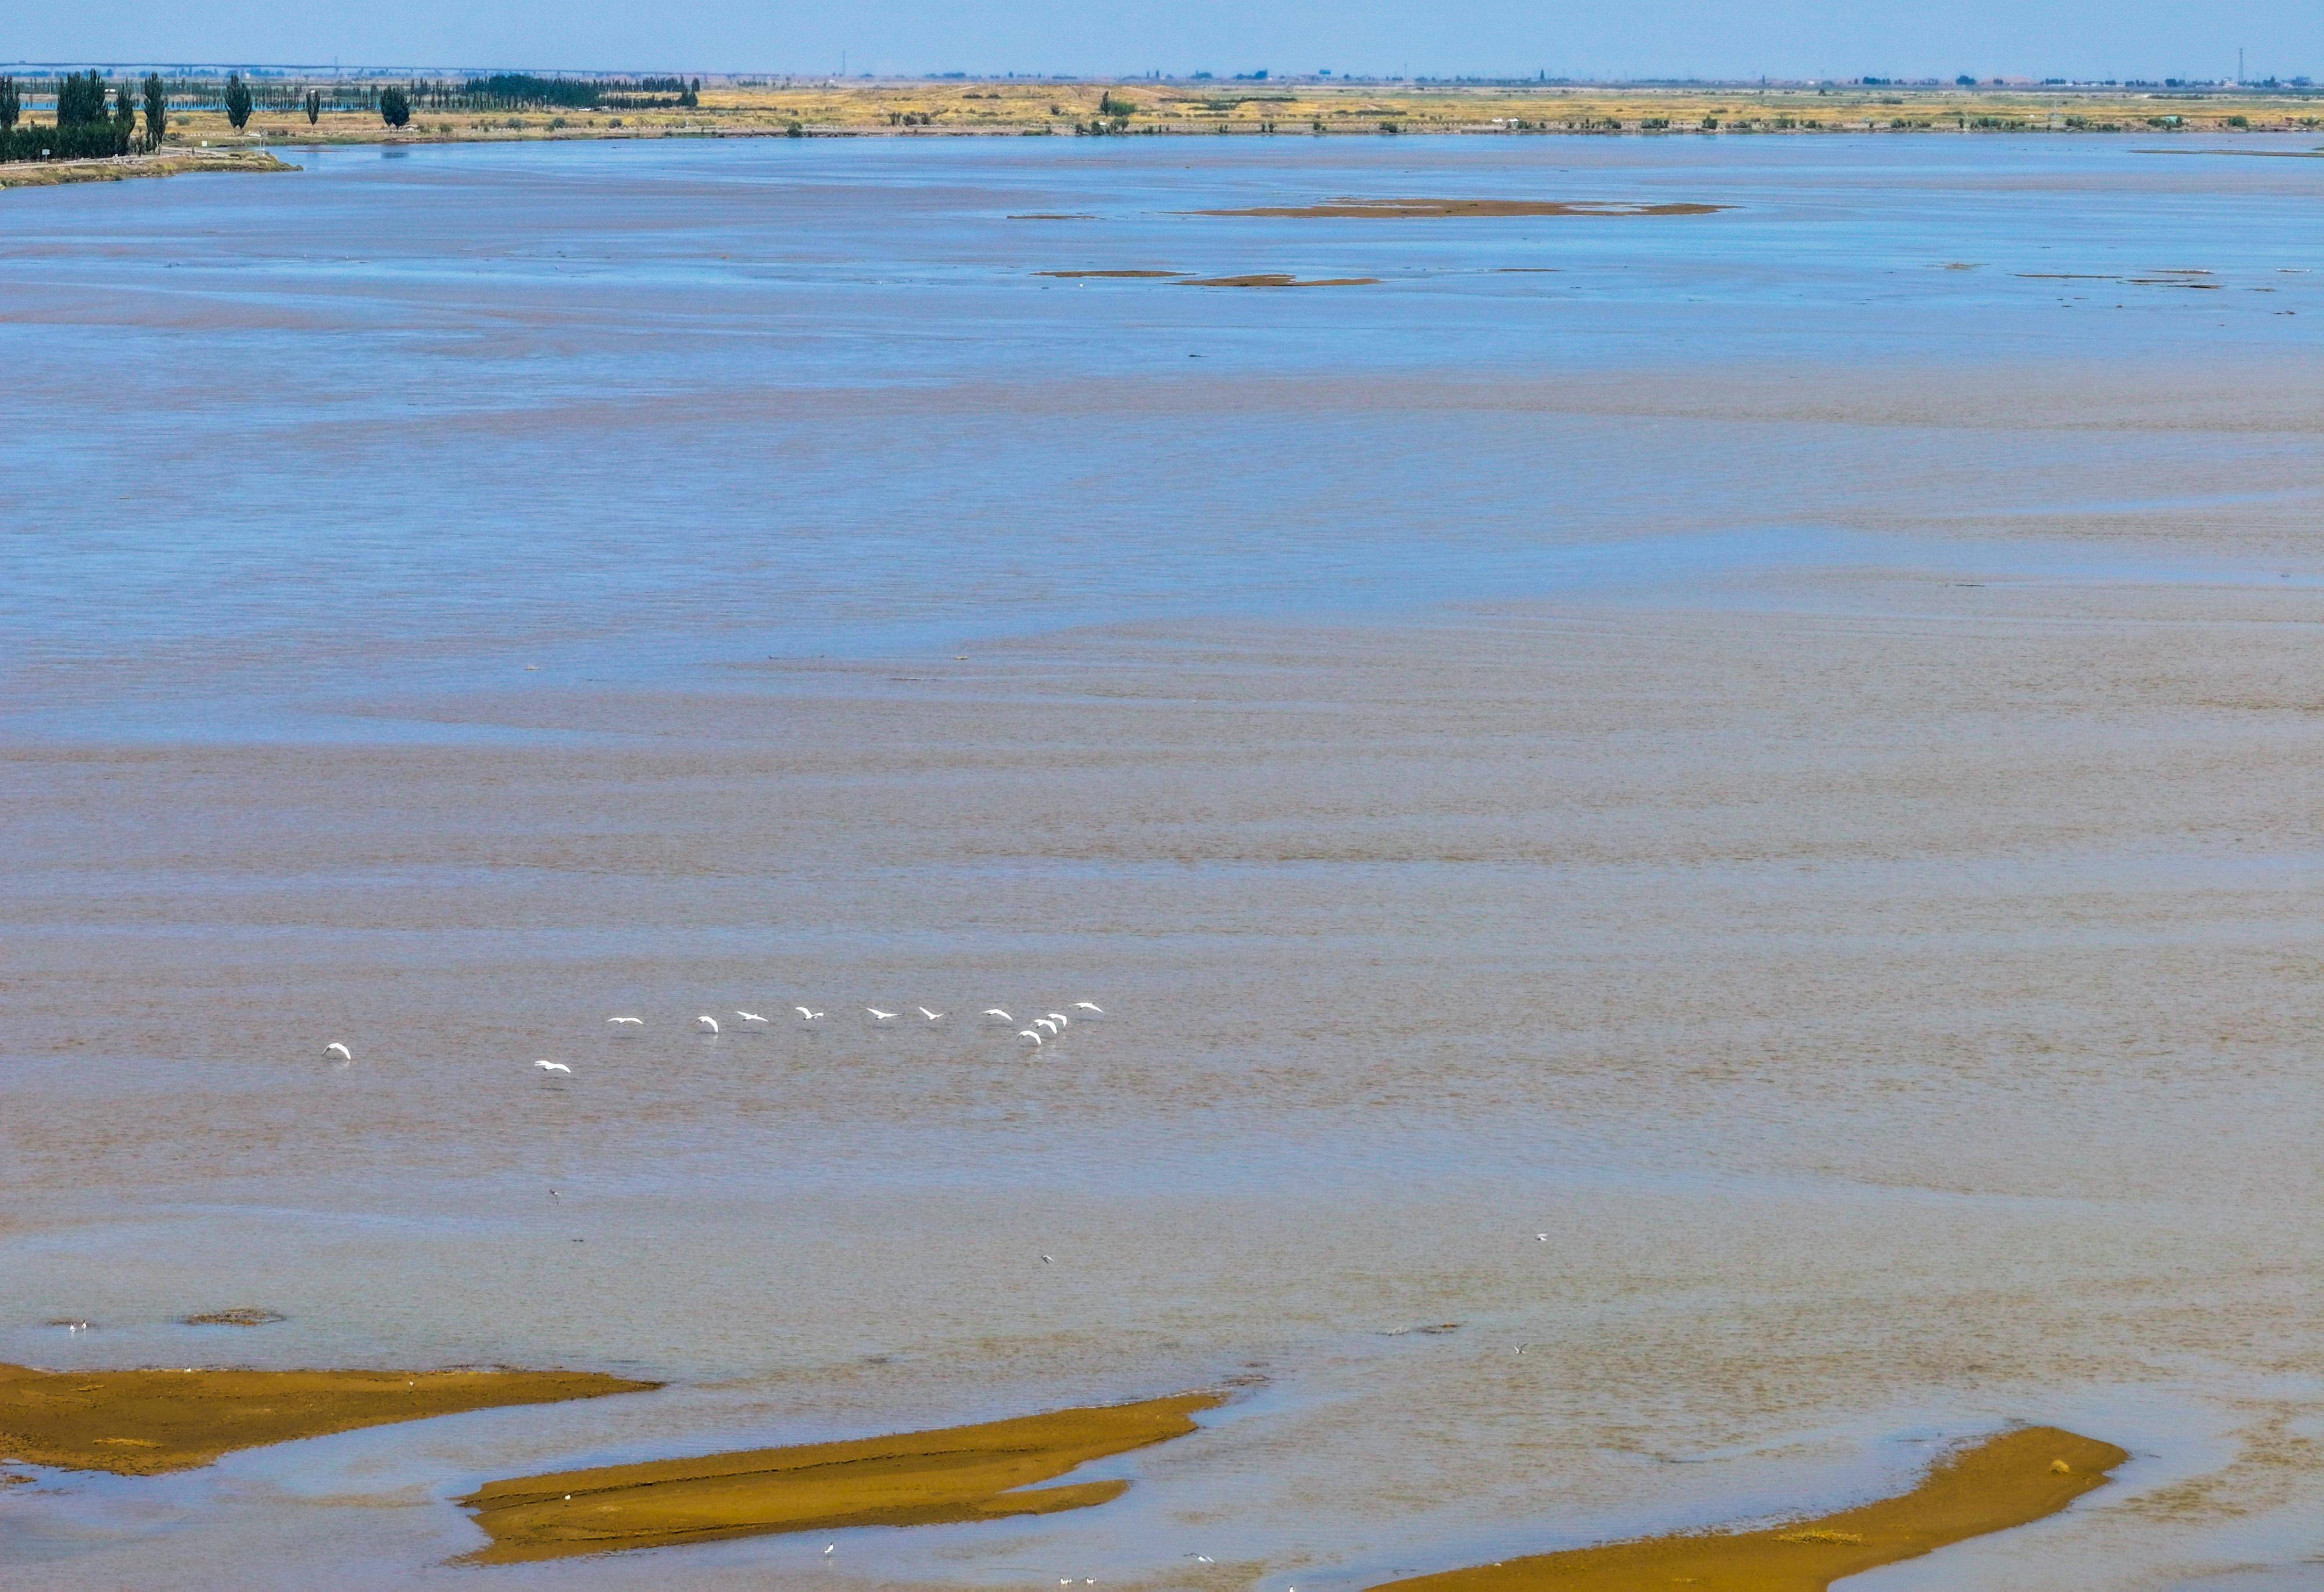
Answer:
(142, 1422)
(2005, 1481)
(959, 1473)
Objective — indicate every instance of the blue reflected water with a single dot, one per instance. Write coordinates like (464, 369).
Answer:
(626, 407)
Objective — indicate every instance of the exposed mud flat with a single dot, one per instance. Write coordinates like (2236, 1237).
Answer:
(144, 1423)
(2005, 1481)
(961, 1472)
(239, 1316)
(1279, 279)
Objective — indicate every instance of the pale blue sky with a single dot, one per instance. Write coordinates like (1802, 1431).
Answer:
(1607, 38)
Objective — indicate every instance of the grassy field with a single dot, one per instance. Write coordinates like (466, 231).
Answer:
(922, 108)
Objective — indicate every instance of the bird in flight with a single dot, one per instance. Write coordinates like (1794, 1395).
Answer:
(1028, 1033)
(547, 1066)
(997, 1012)
(805, 1015)
(1059, 1018)
(339, 1050)
(879, 1016)
(628, 1021)
(1093, 1006)
(931, 1016)
(1046, 1023)
(750, 1016)
(709, 1023)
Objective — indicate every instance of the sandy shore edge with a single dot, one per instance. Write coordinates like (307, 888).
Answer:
(146, 1422)
(2005, 1481)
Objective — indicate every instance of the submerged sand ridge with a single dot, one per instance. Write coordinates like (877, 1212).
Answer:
(961, 1472)
(2005, 1481)
(143, 1422)
(1441, 208)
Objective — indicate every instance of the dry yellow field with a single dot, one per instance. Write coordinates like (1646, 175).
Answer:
(923, 108)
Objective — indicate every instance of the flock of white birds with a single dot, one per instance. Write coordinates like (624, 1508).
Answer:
(1039, 1032)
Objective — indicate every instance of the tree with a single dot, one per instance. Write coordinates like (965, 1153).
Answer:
(11, 105)
(125, 116)
(80, 99)
(237, 101)
(690, 95)
(394, 106)
(314, 106)
(157, 110)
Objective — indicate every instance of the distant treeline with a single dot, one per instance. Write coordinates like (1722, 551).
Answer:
(523, 91)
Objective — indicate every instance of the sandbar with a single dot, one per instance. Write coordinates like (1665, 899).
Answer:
(961, 1472)
(2005, 1481)
(167, 163)
(1277, 279)
(144, 1423)
(1426, 208)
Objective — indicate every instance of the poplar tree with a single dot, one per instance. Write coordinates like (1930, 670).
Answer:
(157, 110)
(237, 101)
(314, 106)
(11, 105)
(395, 109)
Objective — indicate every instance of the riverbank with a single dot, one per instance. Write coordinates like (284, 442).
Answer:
(166, 162)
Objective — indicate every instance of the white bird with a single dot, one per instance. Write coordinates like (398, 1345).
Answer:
(1541, 1237)
(1028, 1033)
(1046, 1261)
(1093, 1006)
(547, 1066)
(339, 1050)
(827, 1548)
(709, 1023)
(628, 1021)
(997, 1012)
(1059, 1018)
(879, 1016)
(1044, 1022)
(750, 1016)
(931, 1016)
(805, 1015)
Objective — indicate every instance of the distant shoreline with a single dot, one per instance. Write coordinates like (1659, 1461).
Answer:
(445, 112)
(201, 139)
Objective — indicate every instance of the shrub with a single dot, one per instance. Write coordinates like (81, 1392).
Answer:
(82, 141)
(395, 107)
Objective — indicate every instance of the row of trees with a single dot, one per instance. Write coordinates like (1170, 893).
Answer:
(85, 129)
